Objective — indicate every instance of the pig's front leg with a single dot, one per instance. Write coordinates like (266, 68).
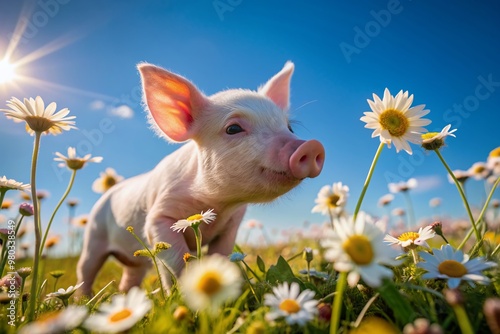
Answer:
(158, 230)
(224, 243)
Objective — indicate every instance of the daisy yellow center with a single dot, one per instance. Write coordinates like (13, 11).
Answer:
(195, 217)
(478, 169)
(333, 200)
(109, 181)
(359, 248)
(409, 236)
(452, 268)
(120, 315)
(210, 283)
(495, 153)
(395, 122)
(429, 135)
(289, 306)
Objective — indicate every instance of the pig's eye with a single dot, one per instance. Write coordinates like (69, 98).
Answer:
(234, 129)
(290, 128)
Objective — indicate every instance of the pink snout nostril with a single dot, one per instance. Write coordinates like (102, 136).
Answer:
(307, 160)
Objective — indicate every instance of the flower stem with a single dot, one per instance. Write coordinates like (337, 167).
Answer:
(367, 181)
(61, 201)
(197, 235)
(483, 211)
(415, 256)
(337, 302)
(462, 194)
(253, 272)
(38, 236)
(2, 195)
(153, 257)
(463, 319)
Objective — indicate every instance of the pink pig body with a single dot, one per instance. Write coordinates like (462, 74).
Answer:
(241, 151)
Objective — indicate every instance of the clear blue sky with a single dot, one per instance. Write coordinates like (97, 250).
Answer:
(442, 53)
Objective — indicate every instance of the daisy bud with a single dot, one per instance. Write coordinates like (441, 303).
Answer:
(324, 312)
(307, 254)
(188, 257)
(422, 326)
(57, 273)
(180, 313)
(142, 252)
(491, 310)
(257, 327)
(11, 279)
(24, 272)
(26, 209)
(437, 227)
(454, 297)
(161, 246)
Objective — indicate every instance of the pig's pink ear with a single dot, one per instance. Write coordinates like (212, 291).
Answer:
(278, 87)
(172, 101)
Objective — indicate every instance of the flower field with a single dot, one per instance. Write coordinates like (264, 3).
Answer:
(356, 274)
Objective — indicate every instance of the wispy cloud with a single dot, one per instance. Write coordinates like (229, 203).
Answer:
(428, 182)
(120, 110)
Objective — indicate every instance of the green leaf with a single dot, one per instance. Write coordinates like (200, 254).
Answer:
(261, 264)
(281, 272)
(401, 307)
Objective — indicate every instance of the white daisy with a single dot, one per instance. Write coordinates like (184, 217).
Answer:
(402, 186)
(74, 162)
(210, 282)
(106, 180)
(455, 266)
(331, 200)
(122, 313)
(358, 248)
(37, 117)
(65, 293)
(394, 121)
(461, 175)
(183, 224)
(10, 184)
(385, 200)
(435, 140)
(493, 161)
(435, 202)
(57, 322)
(479, 171)
(287, 303)
(412, 239)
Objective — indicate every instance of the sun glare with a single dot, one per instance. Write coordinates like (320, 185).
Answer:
(7, 71)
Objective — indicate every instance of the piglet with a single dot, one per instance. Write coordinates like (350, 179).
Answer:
(240, 149)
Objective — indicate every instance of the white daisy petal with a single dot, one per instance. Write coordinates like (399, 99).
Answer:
(452, 265)
(393, 120)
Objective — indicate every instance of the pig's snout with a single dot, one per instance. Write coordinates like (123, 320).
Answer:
(307, 160)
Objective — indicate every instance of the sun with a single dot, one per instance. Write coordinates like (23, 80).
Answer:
(7, 71)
